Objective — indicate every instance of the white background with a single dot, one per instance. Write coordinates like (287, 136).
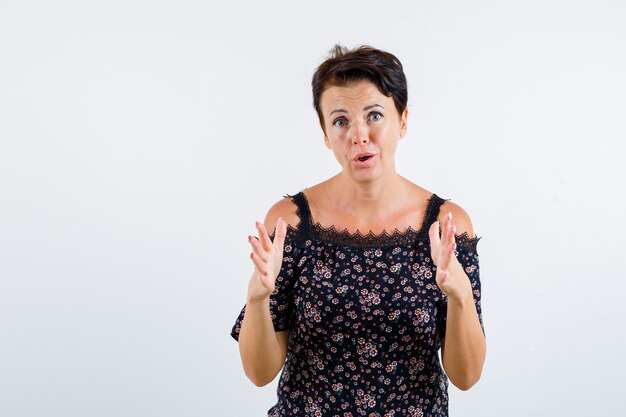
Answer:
(139, 141)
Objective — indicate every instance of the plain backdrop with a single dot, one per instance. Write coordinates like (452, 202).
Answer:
(140, 140)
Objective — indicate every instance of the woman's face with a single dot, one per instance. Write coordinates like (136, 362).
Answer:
(359, 121)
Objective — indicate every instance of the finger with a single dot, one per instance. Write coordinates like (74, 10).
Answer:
(259, 264)
(445, 232)
(433, 233)
(281, 232)
(264, 238)
(453, 237)
(450, 237)
(256, 247)
(445, 257)
(448, 245)
(452, 242)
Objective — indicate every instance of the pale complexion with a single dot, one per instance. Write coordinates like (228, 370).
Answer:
(358, 119)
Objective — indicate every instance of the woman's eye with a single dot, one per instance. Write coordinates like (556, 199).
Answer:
(340, 122)
(375, 116)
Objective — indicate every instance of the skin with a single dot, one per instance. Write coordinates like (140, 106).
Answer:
(359, 118)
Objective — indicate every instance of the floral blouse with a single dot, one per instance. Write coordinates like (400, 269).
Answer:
(365, 320)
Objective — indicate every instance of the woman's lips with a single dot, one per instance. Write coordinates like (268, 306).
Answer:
(363, 154)
(366, 163)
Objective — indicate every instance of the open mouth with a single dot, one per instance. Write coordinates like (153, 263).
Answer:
(364, 158)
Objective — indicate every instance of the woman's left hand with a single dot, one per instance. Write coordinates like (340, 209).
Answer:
(450, 276)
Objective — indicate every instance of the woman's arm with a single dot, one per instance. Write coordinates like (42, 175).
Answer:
(463, 349)
(263, 350)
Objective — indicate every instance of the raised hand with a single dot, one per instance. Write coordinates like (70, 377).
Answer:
(267, 257)
(450, 276)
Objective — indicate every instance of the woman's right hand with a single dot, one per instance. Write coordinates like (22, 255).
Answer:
(267, 257)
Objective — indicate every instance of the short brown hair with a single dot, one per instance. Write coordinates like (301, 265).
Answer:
(344, 66)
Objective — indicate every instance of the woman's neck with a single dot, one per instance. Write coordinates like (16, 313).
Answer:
(368, 200)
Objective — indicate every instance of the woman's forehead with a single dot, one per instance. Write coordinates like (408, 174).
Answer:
(356, 94)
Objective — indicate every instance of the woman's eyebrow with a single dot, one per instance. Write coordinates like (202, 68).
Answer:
(338, 111)
(371, 106)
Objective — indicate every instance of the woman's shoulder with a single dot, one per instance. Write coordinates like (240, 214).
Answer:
(284, 208)
(460, 218)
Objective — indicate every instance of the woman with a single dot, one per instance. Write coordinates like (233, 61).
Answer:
(366, 275)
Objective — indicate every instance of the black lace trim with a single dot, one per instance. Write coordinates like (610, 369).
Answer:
(306, 229)
(432, 211)
(293, 234)
(466, 241)
(303, 211)
(302, 230)
(371, 239)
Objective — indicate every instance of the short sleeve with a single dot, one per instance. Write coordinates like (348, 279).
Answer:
(467, 255)
(282, 305)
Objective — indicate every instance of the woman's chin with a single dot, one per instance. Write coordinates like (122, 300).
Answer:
(364, 175)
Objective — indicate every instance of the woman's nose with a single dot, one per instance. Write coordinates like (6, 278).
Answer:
(358, 133)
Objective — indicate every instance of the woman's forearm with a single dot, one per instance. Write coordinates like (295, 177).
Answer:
(262, 355)
(465, 348)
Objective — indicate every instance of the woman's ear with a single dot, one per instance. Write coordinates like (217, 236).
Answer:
(403, 121)
(327, 142)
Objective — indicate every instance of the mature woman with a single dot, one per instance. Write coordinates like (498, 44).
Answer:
(365, 275)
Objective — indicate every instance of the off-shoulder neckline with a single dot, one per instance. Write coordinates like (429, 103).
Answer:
(307, 229)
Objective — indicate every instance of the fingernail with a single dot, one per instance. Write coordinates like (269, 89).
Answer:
(449, 215)
(454, 229)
